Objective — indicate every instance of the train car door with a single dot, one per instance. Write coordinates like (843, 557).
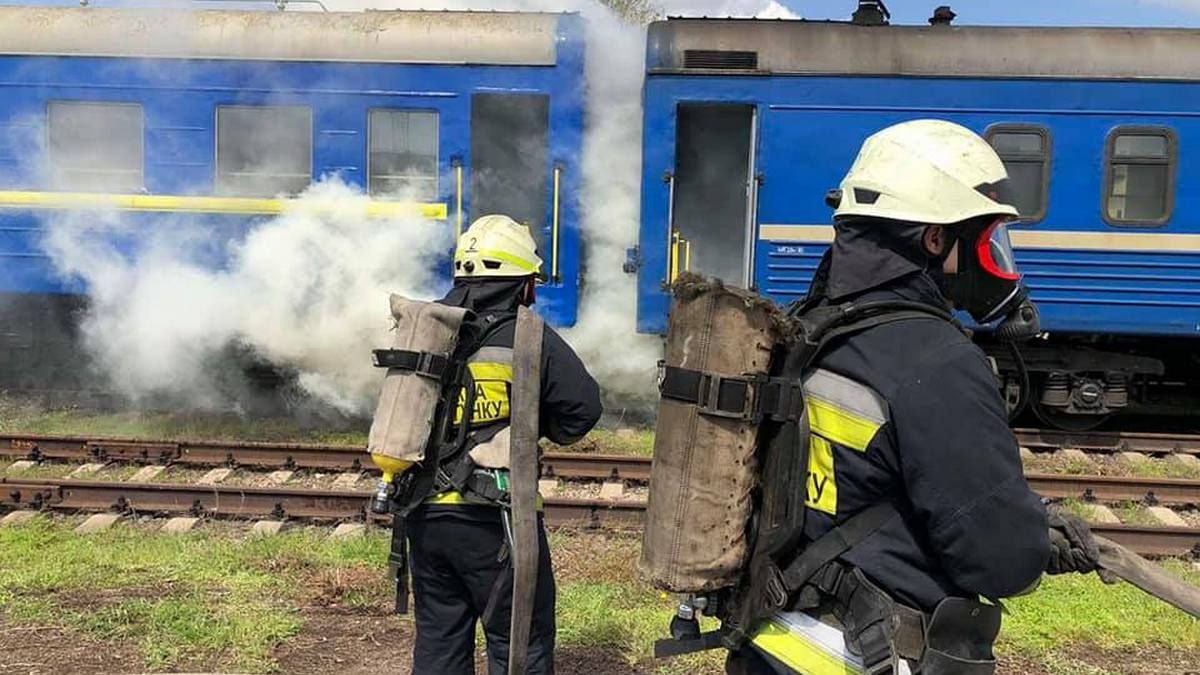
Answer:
(509, 149)
(714, 192)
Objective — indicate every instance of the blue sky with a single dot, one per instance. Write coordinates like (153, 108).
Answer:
(1170, 13)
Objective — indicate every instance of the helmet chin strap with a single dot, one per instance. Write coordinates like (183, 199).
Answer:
(530, 295)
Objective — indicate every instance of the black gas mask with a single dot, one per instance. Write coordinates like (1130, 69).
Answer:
(987, 284)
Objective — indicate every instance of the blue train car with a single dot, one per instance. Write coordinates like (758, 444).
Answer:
(749, 123)
(220, 116)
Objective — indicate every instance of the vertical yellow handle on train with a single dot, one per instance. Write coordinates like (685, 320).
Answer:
(554, 225)
(681, 256)
(458, 199)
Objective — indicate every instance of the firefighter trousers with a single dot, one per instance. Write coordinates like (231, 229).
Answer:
(462, 574)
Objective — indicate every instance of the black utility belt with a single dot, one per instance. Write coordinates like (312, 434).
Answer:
(955, 639)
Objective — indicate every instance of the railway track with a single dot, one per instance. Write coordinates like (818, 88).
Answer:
(279, 503)
(564, 465)
(276, 503)
(1043, 440)
(284, 502)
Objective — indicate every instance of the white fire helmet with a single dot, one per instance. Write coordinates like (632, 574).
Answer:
(926, 171)
(496, 246)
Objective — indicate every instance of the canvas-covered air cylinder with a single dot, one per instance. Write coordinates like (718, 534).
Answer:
(718, 340)
(426, 334)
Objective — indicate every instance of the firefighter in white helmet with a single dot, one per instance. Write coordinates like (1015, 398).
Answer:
(460, 563)
(915, 505)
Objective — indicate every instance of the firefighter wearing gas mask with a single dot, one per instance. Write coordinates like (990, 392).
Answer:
(459, 536)
(908, 426)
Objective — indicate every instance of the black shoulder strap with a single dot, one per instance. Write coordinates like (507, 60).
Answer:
(820, 326)
(834, 543)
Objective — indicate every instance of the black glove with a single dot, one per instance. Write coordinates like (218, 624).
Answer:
(1072, 548)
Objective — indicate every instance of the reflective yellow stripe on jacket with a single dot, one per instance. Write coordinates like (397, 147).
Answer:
(808, 646)
(841, 412)
(491, 368)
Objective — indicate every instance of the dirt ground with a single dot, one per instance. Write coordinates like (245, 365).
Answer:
(332, 641)
(354, 642)
(40, 650)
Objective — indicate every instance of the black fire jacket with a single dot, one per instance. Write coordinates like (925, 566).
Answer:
(909, 412)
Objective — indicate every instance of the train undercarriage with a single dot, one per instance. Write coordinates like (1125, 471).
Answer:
(1080, 382)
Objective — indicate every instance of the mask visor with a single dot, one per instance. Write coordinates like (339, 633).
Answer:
(995, 253)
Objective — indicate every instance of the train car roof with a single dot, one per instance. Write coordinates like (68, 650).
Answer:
(494, 38)
(826, 47)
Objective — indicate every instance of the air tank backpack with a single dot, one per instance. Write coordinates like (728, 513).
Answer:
(413, 434)
(725, 519)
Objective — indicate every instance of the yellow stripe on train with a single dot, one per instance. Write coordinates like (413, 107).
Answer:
(203, 204)
(1028, 239)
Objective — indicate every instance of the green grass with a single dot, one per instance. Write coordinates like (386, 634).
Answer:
(217, 598)
(1134, 513)
(1080, 610)
(19, 417)
(627, 617)
(1164, 468)
(639, 442)
(203, 597)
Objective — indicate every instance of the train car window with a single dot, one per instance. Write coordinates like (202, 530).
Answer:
(263, 151)
(95, 147)
(509, 166)
(1139, 176)
(1025, 151)
(403, 157)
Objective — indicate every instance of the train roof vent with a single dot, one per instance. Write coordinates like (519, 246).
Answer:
(718, 59)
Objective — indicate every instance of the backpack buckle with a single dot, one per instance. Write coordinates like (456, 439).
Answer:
(714, 388)
(774, 590)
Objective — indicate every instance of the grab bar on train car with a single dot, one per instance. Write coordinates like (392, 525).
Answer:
(680, 250)
(554, 224)
(669, 179)
(456, 162)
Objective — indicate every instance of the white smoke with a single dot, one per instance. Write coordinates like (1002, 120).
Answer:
(309, 289)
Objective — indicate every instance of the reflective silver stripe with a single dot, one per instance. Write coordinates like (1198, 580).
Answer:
(847, 394)
(493, 355)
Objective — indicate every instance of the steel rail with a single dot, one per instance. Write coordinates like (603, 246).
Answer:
(254, 502)
(1109, 441)
(279, 455)
(1171, 491)
(345, 458)
(307, 504)
(197, 453)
